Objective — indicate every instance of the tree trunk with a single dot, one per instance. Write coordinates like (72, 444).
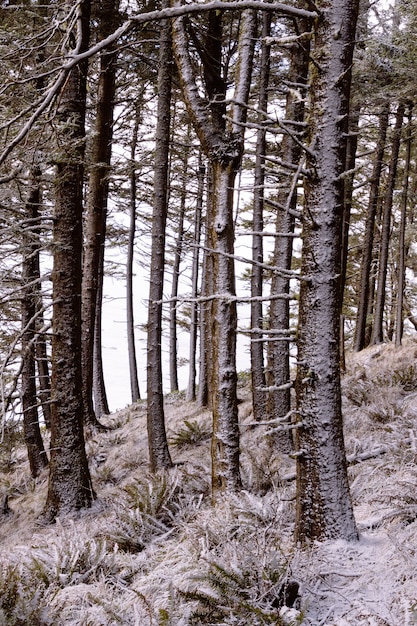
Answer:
(224, 148)
(101, 405)
(257, 321)
(158, 446)
(131, 346)
(402, 252)
(279, 400)
(378, 333)
(30, 277)
(95, 223)
(70, 485)
(368, 246)
(173, 338)
(324, 508)
(191, 395)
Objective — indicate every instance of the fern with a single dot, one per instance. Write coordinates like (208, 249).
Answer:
(190, 434)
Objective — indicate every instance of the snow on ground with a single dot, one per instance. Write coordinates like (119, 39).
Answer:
(153, 551)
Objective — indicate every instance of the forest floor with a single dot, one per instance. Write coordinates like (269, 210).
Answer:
(153, 551)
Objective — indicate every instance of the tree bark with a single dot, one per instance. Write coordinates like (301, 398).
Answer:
(279, 400)
(131, 346)
(223, 145)
(191, 391)
(95, 223)
(399, 323)
(360, 341)
(70, 485)
(323, 503)
(378, 332)
(159, 455)
(257, 319)
(38, 459)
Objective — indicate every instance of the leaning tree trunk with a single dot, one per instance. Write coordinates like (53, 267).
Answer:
(30, 281)
(159, 455)
(324, 508)
(378, 332)
(70, 485)
(96, 214)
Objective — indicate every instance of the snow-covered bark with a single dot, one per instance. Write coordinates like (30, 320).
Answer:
(30, 295)
(279, 400)
(368, 245)
(324, 508)
(223, 145)
(158, 446)
(96, 210)
(378, 332)
(69, 480)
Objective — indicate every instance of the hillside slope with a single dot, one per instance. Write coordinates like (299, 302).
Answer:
(153, 551)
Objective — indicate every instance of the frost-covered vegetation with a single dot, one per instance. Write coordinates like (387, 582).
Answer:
(154, 551)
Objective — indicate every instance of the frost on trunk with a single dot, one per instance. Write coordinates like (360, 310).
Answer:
(279, 400)
(96, 213)
(365, 290)
(223, 145)
(158, 446)
(378, 332)
(324, 508)
(30, 294)
(69, 480)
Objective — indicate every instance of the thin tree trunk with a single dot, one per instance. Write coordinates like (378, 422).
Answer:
(257, 322)
(95, 224)
(378, 333)
(279, 400)
(173, 338)
(36, 452)
(323, 503)
(158, 446)
(365, 298)
(399, 325)
(131, 346)
(70, 485)
(191, 395)
(99, 389)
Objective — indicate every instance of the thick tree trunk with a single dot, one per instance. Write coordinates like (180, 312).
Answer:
(70, 485)
(324, 508)
(30, 277)
(279, 400)
(95, 223)
(378, 332)
(364, 290)
(158, 446)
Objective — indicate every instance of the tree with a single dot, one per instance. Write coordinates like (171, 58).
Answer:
(70, 485)
(96, 209)
(223, 145)
(38, 459)
(159, 455)
(378, 334)
(324, 508)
